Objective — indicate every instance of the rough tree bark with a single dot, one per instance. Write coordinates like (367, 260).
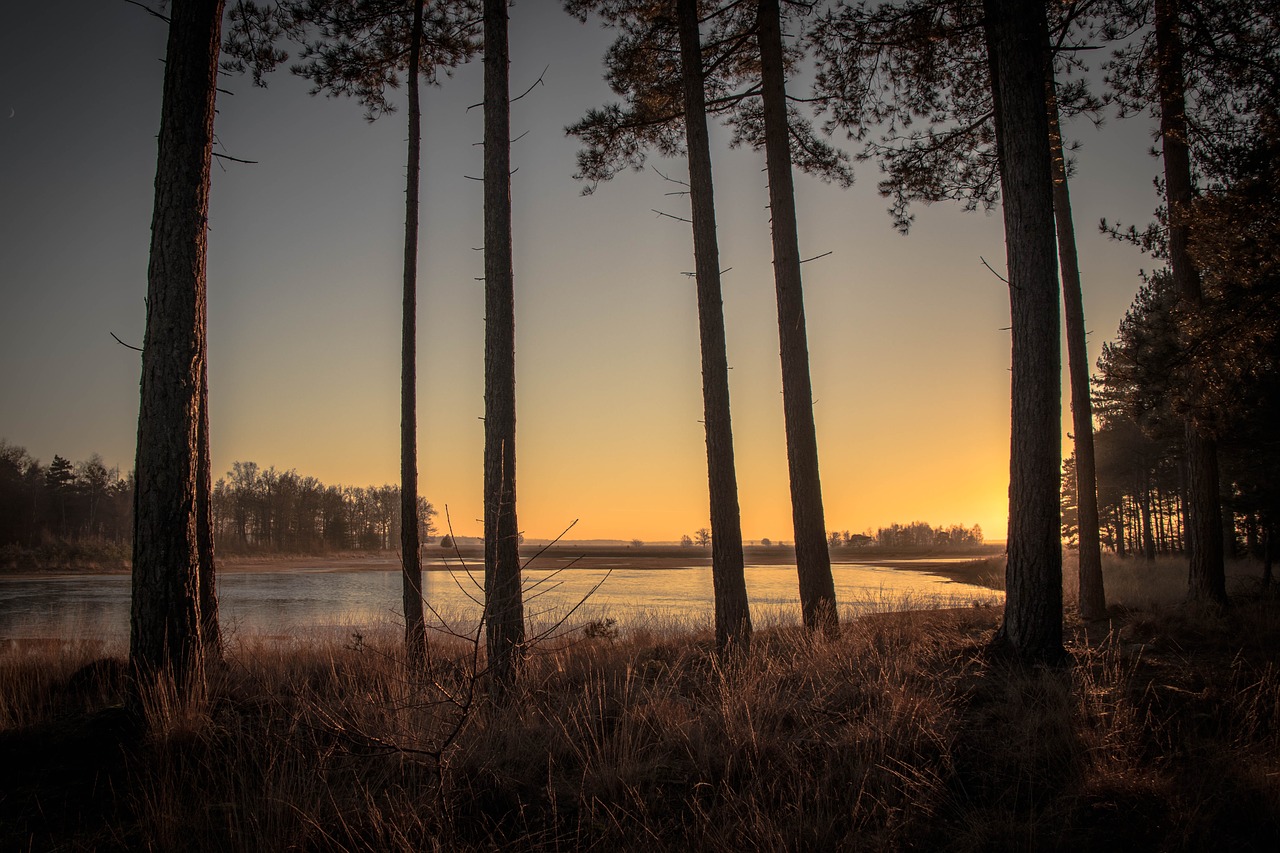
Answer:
(1092, 595)
(732, 614)
(167, 633)
(813, 561)
(1016, 34)
(415, 630)
(212, 629)
(1207, 577)
(503, 605)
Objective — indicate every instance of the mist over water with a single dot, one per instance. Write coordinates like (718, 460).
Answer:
(283, 604)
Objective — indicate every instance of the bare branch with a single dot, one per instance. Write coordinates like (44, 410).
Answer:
(123, 344)
(144, 7)
(993, 272)
(233, 159)
(531, 86)
(668, 179)
(671, 216)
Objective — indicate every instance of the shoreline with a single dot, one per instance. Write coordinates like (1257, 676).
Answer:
(975, 568)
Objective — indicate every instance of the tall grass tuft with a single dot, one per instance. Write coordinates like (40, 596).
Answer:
(900, 733)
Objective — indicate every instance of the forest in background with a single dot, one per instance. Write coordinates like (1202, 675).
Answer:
(80, 514)
(1117, 723)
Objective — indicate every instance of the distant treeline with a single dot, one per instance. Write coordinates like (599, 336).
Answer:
(920, 534)
(61, 501)
(265, 510)
(254, 510)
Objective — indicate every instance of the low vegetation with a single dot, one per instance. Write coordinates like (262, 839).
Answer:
(901, 733)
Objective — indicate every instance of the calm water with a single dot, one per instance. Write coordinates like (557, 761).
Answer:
(300, 602)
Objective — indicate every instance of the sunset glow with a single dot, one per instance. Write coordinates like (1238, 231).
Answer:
(908, 353)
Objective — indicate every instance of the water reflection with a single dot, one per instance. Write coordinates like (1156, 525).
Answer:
(286, 603)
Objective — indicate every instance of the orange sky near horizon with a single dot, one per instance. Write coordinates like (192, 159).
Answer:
(908, 348)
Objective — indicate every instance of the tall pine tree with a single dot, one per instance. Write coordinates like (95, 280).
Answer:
(173, 588)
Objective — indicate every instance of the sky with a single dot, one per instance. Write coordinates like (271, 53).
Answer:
(908, 345)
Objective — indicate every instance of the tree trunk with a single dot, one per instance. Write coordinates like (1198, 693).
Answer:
(415, 629)
(504, 607)
(1120, 529)
(166, 621)
(1016, 35)
(813, 560)
(1144, 506)
(732, 613)
(209, 625)
(1093, 599)
(1178, 527)
(1207, 577)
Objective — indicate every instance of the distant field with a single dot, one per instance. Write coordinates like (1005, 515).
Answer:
(968, 565)
(962, 564)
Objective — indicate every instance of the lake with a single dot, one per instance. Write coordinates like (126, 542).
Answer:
(302, 602)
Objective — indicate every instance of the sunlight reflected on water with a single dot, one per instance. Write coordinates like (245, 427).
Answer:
(286, 603)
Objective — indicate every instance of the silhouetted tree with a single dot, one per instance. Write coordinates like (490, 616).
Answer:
(1236, 243)
(361, 48)
(167, 624)
(644, 66)
(503, 602)
(813, 561)
(1226, 55)
(1207, 579)
(274, 511)
(1016, 34)
(1091, 593)
(662, 24)
(60, 478)
(910, 81)
(19, 476)
(83, 503)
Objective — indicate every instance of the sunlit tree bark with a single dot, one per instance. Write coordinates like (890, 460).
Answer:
(166, 621)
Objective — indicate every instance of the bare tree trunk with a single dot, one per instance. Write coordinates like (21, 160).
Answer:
(1092, 595)
(732, 613)
(813, 560)
(166, 620)
(209, 625)
(1207, 577)
(1016, 35)
(504, 607)
(415, 629)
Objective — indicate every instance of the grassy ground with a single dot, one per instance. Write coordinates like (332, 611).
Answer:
(900, 734)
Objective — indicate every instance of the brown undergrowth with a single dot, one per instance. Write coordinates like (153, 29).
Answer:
(900, 734)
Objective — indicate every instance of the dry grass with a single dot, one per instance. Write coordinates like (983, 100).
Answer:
(899, 734)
